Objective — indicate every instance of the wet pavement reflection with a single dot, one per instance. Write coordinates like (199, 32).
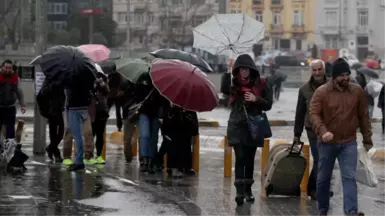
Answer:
(118, 188)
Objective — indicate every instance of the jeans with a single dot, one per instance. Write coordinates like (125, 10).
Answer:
(312, 185)
(244, 161)
(76, 119)
(371, 110)
(8, 119)
(148, 135)
(346, 154)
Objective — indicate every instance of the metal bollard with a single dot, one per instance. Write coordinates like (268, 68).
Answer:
(104, 150)
(134, 143)
(228, 161)
(265, 154)
(305, 179)
(195, 153)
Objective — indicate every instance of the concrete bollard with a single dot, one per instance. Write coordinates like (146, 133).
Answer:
(305, 179)
(228, 161)
(195, 153)
(265, 154)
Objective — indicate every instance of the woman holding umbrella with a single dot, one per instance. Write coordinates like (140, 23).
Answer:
(250, 97)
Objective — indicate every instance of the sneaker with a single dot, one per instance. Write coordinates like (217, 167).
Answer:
(75, 167)
(90, 161)
(67, 162)
(100, 160)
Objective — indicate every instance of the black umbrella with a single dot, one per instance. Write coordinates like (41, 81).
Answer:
(63, 64)
(368, 72)
(108, 66)
(183, 56)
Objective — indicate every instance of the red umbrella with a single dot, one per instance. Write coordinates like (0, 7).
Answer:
(184, 85)
(96, 52)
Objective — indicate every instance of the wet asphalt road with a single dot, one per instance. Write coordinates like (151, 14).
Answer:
(120, 189)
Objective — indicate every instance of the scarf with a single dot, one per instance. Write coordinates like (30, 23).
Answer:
(246, 85)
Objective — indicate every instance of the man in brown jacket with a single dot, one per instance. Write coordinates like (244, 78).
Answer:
(336, 110)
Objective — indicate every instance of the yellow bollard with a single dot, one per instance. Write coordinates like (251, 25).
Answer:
(305, 179)
(104, 150)
(195, 153)
(265, 154)
(134, 143)
(228, 161)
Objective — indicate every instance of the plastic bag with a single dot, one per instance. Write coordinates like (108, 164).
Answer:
(365, 172)
(7, 150)
(373, 88)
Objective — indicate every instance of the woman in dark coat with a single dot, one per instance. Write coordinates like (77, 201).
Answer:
(249, 92)
(51, 99)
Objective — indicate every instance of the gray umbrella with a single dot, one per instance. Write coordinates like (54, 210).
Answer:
(357, 66)
(368, 72)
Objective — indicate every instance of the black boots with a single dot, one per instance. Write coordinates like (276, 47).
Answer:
(144, 164)
(240, 188)
(148, 165)
(248, 193)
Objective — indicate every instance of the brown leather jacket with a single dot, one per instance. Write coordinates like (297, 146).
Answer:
(340, 112)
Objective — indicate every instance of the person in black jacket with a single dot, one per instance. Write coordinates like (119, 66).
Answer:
(52, 99)
(381, 105)
(149, 120)
(79, 95)
(251, 94)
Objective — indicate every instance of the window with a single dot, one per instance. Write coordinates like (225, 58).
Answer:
(257, 2)
(298, 18)
(57, 8)
(331, 18)
(275, 1)
(275, 44)
(58, 25)
(259, 16)
(138, 18)
(276, 18)
(298, 44)
(363, 18)
(331, 42)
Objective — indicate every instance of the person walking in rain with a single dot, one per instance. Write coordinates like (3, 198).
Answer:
(249, 94)
(10, 93)
(336, 110)
(302, 120)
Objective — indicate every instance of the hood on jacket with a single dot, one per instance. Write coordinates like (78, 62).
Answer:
(245, 60)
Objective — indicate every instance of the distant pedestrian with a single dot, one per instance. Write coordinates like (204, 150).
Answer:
(381, 105)
(10, 93)
(302, 119)
(114, 99)
(336, 110)
(249, 95)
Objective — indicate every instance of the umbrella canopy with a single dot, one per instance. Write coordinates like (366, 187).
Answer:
(228, 34)
(108, 66)
(356, 66)
(183, 56)
(132, 69)
(62, 63)
(368, 72)
(97, 52)
(372, 64)
(184, 84)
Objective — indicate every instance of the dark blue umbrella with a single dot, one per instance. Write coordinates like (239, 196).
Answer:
(66, 64)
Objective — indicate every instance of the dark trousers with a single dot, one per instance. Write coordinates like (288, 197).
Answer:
(56, 130)
(119, 121)
(179, 153)
(8, 119)
(98, 127)
(312, 184)
(277, 90)
(161, 152)
(244, 161)
(383, 121)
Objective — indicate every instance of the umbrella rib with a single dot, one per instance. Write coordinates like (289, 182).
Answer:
(253, 38)
(204, 35)
(242, 28)
(222, 29)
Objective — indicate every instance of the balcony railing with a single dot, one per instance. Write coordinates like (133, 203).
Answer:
(298, 28)
(276, 5)
(362, 29)
(276, 28)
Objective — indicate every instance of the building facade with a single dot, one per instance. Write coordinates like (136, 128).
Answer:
(289, 24)
(161, 23)
(356, 25)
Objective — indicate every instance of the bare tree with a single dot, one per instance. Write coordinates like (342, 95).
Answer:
(10, 19)
(177, 22)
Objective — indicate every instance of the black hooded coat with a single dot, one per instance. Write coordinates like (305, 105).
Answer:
(237, 128)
